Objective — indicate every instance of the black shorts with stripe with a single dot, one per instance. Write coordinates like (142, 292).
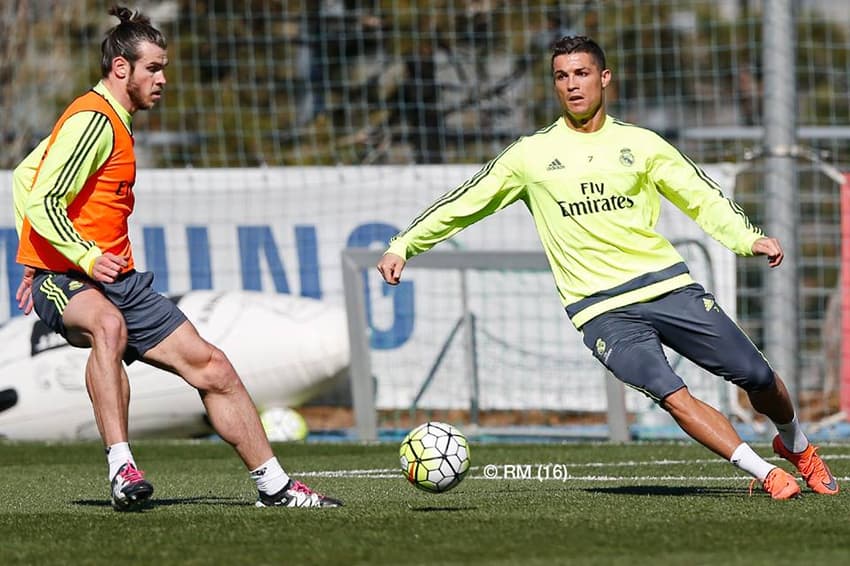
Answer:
(629, 340)
(150, 317)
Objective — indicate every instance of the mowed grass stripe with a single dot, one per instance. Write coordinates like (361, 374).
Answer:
(674, 505)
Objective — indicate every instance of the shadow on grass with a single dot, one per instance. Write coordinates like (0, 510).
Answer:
(434, 509)
(201, 500)
(666, 490)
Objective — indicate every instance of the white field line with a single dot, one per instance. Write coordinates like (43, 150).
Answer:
(397, 474)
(477, 472)
(638, 463)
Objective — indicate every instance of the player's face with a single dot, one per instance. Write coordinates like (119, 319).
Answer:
(580, 85)
(147, 77)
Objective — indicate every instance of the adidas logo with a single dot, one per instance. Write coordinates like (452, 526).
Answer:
(555, 164)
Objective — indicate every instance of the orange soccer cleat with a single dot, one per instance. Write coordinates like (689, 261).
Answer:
(813, 469)
(779, 484)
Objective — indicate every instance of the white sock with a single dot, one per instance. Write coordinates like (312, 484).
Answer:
(792, 435)
(746, 459)
(116, 456)
(270, 477)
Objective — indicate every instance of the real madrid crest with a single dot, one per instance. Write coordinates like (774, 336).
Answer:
(627, 158)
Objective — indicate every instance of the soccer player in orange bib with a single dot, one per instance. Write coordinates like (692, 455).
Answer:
(593, 185)
(73, 195)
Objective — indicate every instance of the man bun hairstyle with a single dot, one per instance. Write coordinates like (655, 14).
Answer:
(579, 44)
(124, 39)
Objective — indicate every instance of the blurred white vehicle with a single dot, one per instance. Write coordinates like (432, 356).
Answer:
(286, 349)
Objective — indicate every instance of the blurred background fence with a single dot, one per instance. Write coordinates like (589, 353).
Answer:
(264, 83)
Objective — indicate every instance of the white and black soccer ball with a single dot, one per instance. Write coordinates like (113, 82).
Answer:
(434, 456)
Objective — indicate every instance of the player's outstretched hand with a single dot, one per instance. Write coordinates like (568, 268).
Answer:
(390, 267)
(771, 248)
(24, 293)
(107, 267)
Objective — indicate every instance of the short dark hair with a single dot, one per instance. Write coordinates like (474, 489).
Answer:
(578, 44)
(123, 40)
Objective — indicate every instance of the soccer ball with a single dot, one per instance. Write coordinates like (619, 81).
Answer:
(434, 456)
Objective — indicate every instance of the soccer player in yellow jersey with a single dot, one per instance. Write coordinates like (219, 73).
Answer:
(593, 186)
(73, 195)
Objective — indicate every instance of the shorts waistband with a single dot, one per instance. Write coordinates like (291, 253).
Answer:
(74, 273)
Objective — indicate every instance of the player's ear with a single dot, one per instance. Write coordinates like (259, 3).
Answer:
(120, 67)
(606, 77)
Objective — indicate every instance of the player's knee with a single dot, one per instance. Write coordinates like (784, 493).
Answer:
(220, 377)
(110, 331)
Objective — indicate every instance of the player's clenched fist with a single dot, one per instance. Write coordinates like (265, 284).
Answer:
(107, 267)
(771, 248)
(390, 267)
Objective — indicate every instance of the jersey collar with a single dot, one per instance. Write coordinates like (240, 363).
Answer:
(125, 116)
(604, 128)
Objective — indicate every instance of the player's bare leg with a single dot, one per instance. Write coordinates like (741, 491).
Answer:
(233, 415)
(712, 429)
(702, 422)
(92, 321)
(773, 402)
(229, 406)
(791, 443)
(120, 400)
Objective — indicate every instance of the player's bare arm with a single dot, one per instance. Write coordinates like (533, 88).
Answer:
(390, 267)
(771, 248)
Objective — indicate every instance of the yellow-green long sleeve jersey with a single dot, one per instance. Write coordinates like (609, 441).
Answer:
(595, 200)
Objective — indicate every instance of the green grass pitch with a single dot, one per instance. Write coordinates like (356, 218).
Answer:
(646, 503)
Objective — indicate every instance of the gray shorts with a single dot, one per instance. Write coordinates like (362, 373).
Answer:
(628, 341)
(150, 317)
